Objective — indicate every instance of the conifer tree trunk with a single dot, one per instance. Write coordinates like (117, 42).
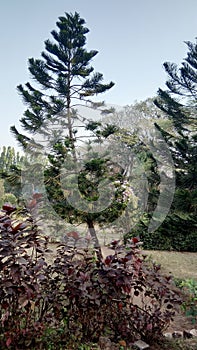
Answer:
(93, 234)
(70, 128)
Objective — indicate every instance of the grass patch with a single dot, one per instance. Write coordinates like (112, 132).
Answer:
(179, 264)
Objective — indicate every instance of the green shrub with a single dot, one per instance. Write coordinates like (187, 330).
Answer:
(10, 198)
(178, 235)
(189, 287)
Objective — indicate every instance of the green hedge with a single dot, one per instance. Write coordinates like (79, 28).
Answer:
(174, 234)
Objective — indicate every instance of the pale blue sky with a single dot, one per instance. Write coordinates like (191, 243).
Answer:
(133, 37)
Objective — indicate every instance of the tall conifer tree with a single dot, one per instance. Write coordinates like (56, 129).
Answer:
(179, 103)
(65, 79)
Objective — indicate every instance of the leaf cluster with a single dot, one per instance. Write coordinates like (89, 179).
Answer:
(189, 287)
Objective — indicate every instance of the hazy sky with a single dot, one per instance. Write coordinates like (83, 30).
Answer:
(133, 37)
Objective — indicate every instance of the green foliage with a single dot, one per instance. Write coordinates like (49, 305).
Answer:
(9, 158)
(10, 170)
(189, 287)
(10, 198)
(175, 233)
(76, 298)
(6, 197)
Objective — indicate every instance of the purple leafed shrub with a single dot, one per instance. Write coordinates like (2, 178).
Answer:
(123, 296)
(75, 295)
(23, 269)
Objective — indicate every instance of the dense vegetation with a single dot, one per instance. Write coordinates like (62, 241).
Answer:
(101, 173)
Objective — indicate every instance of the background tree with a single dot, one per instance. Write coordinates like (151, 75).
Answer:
(10, 164)
(9, 158)
(179, 103)
(136, 134)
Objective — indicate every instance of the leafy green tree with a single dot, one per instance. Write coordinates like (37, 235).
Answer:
(64, 80)
(136, 133)
(9, 158)
(10, 164)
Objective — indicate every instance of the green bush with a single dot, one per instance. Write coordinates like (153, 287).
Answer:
(189, 287)
(10, 198)
(178, 235)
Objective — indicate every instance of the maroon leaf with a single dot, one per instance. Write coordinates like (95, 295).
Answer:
(73, 234)
(149, 327)
(8, 208)
(115, 243)
(135, 240)
(8, 342)
(19, 227)
(32, 204)
(7, 223)
(108, 259)
(37, 195)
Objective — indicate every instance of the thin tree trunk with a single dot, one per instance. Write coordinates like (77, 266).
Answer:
(68, 105)
(71, 136)
(93, 234)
